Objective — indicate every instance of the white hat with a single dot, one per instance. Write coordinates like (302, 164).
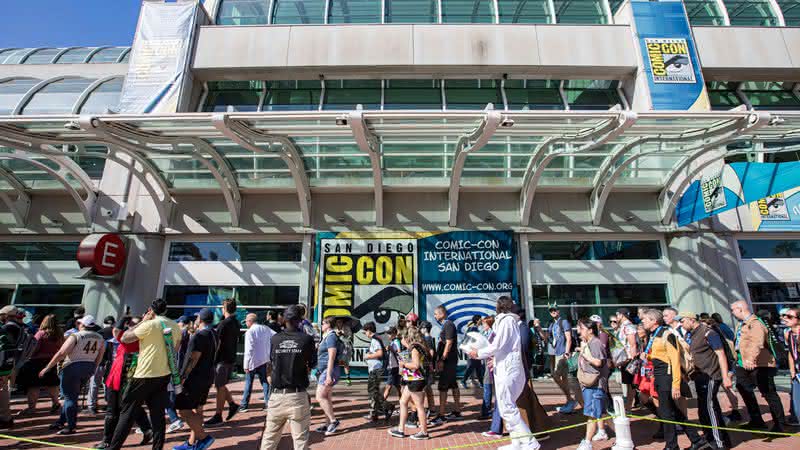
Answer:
(10, 310)
(597, 319)
(87, 320)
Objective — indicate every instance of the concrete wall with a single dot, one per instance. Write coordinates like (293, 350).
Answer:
(742, 53)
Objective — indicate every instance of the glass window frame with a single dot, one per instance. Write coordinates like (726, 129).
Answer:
(233, 251)
(588, 249)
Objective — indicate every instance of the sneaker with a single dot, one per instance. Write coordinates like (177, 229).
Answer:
(244, 408)
(370, 417)
(601, 435)
(438, 420)
(137, 430)
(232, 410)
(348, 382)
(754, 426)
(569, 408)
(453, 415)
(174, 426)
(102, 446)
(420, 436)
(184, 446)
(53, 427)
(90, 411)
(394, 432)
(204, 443)
(332, 428)
(147, 437)
(214, 421)
(463, 385)
(491, 434)
(321, 428)
(792, 422)
(585, 445)
(66, 431)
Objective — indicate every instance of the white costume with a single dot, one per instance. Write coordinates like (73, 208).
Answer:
(509, 378)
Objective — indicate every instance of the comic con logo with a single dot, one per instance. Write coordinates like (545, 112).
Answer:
(670, 61)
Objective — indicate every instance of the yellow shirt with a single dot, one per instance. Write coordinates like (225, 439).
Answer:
(152, 361)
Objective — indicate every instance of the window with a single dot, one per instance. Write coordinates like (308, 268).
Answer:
(411, 11)
(593, 250)
(524, 11)
(722, 95)
(355, 11)
(467, 11)
(235, 251)
(791, 12)
(704, 12)
(346, 94)
(58, 97)
(242, 96)
(472, 94)
(243, 12)
(107, 55)
(298, 12)
(12, 91)
(583, 300)
(38, 251)
(292, 96)
(74, 56)
(533, 94)
(580, 11)
(763, 248)
(751, 13)
(188, 300)
(591, 94)
(103, 98)
(770, 95)
(42, 299)
(773, 297)
(412, 94)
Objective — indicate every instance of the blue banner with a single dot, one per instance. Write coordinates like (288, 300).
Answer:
(735, 185)
(779, 212)
(669, 55)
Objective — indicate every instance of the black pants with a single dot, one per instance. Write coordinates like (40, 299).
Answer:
(668, 410)
(113, 409)
(474, 370)
(709, 411)
(150, 391)
(764, 379)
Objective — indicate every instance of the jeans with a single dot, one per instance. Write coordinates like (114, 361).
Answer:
(709, 411)
(497, 421)
(474, 370)
(153, 392)
(795, 394)
(171, 413)
(94, 386)
(486, 406)
(261, 372)
(764, 379)
(113, 408)
(73, 376)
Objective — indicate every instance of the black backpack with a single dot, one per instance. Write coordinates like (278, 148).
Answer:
(385, 358)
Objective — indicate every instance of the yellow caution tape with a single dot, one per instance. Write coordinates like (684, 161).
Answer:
(697, 425)
(50, 444)
(538, 433)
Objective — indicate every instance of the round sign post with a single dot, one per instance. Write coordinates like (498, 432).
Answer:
(103, 253)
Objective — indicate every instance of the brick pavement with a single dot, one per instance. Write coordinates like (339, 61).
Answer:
(244, 432)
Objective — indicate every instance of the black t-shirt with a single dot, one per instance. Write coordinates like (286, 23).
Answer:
(107, 332)
(274, 326)
(448, 333)
(292, 355)
(202, 341)
(228, 332)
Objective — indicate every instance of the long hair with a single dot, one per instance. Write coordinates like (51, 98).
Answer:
(50, 327)
(592, 326)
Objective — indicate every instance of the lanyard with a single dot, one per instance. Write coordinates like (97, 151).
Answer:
(649, 347)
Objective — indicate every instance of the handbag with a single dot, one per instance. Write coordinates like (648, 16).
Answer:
(572, 363)
(634, 366)
(587, 380)
(619, 356)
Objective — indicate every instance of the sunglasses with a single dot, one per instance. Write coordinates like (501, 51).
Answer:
(788, 316)
(613, 321)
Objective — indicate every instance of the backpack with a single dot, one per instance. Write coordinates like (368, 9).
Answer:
(686, 358)
(344, 351)
(26, 346)
(8, 353)
(727, 346)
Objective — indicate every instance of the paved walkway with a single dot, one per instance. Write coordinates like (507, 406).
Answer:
(244, 432)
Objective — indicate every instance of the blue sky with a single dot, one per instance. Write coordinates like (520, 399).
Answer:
(64, 23)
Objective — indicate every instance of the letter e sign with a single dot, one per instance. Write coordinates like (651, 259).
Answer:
(104, 253)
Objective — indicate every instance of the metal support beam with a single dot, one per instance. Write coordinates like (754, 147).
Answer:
(467, 143)
(19, 207)
(369, 144)
(247, 138)
(610, 171)
(668, 198)
(541, 158)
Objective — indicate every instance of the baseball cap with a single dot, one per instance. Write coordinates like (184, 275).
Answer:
(412, 317)
(206, 315)
(184, 319)
(87, 320)
(596, 319)
(9, 310)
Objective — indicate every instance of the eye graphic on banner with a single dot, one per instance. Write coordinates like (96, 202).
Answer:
(669, 60)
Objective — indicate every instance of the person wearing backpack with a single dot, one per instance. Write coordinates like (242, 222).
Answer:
(756, 367)
(10, 332)
(710, 372)
(328, 372)
(560, 334)
(376, 361)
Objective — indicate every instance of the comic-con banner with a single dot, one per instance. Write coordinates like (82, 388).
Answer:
(779, 212)
(738, 184)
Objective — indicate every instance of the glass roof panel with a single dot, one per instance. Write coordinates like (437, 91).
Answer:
(243, 12)
(791, 12)
(525, 11)
(704, 12)
(75, 55)
(107, 55)
(752, 13)
(103, 98)
(12, 91)
(355, 11)
(580, 11)
(412, 11)
(42, 56)
(467, 11)
(58, 97)
(14, 56)
(298, 12)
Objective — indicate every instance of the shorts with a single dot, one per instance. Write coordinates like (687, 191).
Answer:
(222, 374)
(192, 397)
(322, 376)
(447, 377)
(594, 402)
(416, 385)
(393, 376)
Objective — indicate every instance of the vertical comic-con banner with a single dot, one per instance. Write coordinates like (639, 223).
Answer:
(669, 55)
(366, 279)
(466, 271)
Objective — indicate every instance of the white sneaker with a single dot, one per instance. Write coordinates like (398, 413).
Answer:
(585, 445)
(138, 431)
(601, 435)
(174, 426)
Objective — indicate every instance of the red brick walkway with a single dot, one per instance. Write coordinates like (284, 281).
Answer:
(244, 432)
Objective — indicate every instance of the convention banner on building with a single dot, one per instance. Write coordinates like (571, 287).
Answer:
(160, 57)
(465, 271)
(778, 212)
(669, 55)
(738, 184)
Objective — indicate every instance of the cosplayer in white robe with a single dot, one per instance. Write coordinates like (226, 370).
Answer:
(509, 378)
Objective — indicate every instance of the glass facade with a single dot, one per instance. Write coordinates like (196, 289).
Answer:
(593, 250)
(525, 11)
(768, 248)
(38, 251)
(42, 299)
(298, 12)
(188, 300)
(583, 300)
(354, 11)
(773, 297)
(75, 55)
(235, 251)
(12, 92)
(411, 11)
(467, 11)
(751, 13)
(769, 95)
(722, 95)
(225, 96)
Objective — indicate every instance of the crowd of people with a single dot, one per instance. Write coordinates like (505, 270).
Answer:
(154, 370)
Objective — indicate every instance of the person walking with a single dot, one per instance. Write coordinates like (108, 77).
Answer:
(155, 371)
(509, 373)
(328, 372)
(345, 335)
(430, 344)
(488, 383)
(197, 374)
(560, 334)
(711, 372)
(447, 357)
(412, 366)
(228, 334)
(392, 365)
(375, 357)
(756, 367)
(292, 356)
(10, 335)
(81, 354)
(49, 340)
(627, 335)
(791, 319)
(593, 377)
(257, 342)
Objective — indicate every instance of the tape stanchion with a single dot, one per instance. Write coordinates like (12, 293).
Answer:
(49, 444)
(697, 425)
